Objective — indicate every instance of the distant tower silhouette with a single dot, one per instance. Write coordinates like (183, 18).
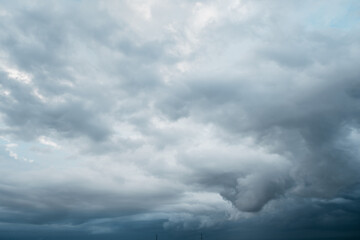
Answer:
(201, 237)
(156, 238)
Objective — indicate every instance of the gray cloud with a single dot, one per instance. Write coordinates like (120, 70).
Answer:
(179, 116)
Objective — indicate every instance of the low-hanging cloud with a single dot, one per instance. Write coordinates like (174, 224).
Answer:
(179, 115)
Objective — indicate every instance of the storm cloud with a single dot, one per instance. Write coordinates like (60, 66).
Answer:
(130, 118)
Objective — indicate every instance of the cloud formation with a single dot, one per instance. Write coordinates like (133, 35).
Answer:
(177, 116)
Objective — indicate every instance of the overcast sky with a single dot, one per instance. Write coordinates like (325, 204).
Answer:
(236, 118)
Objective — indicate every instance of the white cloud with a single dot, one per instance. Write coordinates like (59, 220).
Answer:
(16, 74)
(44, 140)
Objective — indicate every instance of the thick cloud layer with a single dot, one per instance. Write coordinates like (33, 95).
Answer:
(126, 118)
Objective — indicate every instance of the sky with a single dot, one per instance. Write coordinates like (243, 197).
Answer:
(237, 119)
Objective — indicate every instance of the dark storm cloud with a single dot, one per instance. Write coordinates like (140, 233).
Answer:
(313, 109)
(160, 116)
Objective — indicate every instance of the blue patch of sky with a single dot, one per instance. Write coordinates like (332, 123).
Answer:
(345, 15)
(35, 154)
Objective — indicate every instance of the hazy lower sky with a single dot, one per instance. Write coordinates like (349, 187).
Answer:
(235, 118)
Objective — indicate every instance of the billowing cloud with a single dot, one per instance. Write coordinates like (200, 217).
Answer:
(135, 117)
